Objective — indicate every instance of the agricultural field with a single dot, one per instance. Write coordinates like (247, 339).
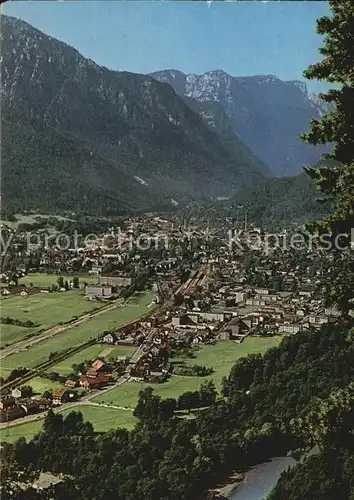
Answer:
(223, 355)
(45, 309)
(26, 430)
(101, 418)
(30, 219)
(40, 385)
(127, 394)
(45, 280)
(220, 356)
(10, 334)
(39, 353)
(92, 352)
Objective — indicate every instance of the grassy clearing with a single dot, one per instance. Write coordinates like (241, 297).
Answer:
(46, 309)
(40, 385)
(30, 219)
(221, 357)
(102, 420)
(127, 394)
(20, 219)
(27, 430)
(10, 334)
(40, 352)
(92, 352)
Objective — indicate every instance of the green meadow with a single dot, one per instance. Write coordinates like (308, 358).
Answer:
(91, 353)
(45, 309)
(30, 219)
(39, 353)
(45, 280)
(221, 357)
(101, 418)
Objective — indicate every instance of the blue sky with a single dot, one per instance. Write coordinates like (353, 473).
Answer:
(242, 38)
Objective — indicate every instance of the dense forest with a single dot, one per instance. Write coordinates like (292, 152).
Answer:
(327, 474)
(280, 202)
(263, 413)
(324, 476)
(271, 203)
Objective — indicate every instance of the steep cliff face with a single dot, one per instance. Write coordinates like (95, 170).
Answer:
(267, 113)
(129, 123)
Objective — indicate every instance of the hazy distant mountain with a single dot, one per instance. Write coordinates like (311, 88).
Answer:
(267, 113)
(77, 135)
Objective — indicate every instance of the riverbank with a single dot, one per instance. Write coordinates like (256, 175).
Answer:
(227, 488)
(256, 483)
(260, 480)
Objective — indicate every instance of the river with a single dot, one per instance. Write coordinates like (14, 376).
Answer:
(261, 479)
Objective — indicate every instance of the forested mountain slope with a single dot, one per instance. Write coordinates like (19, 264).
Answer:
(268, 114)
(144, 140)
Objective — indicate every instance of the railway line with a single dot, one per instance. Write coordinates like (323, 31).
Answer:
(55, 330)
(33, 372)
(140, 351)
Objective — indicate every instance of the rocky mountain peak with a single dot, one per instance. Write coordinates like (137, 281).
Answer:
(267, 113)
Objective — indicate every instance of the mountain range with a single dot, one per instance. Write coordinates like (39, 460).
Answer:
(78, 136)
(266, 113)
(82, 136)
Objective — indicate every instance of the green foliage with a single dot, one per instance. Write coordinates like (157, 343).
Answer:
(172, 458)
(17, 373)
(270, 203)
(60, 282)
(13, 321)
(280, 202)
(193, 371)
(43, 160)
(336, 180)
(331, 419)
(151, 408)
(323, 476)
(101, 141)
(329, 472)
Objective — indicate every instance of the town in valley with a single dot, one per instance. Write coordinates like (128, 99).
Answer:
(167, 301)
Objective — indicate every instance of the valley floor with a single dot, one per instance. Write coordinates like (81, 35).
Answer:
(114, 407)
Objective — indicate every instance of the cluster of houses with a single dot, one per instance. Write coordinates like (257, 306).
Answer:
(229, 300)
(21, 402)
(221, 305)
(211, 295)
(96, 377)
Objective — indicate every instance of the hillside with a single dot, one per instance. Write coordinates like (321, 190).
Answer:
(266, 113)
(89, 137)
(270, 203)
(280, 202)
(217, 120)
(43, 169)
